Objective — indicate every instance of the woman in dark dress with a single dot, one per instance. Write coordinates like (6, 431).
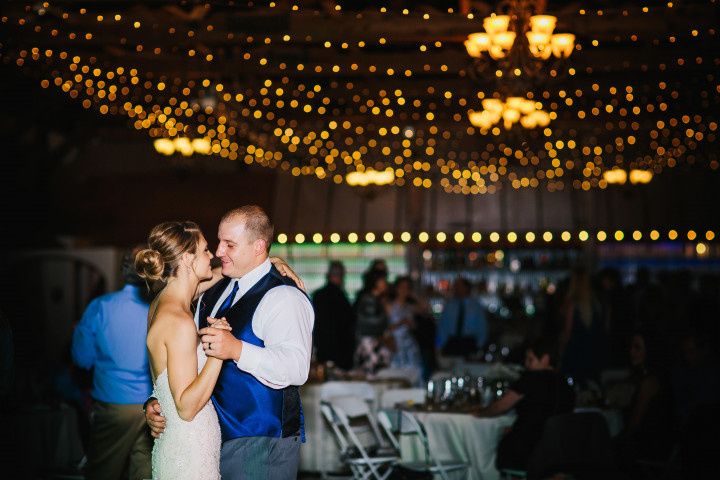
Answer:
(537, 395)
(582, 339)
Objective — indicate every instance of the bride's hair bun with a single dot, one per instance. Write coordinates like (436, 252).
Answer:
(149, 265)
(166, 244)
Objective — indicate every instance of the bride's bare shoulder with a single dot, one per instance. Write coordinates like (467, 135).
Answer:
(171, 319)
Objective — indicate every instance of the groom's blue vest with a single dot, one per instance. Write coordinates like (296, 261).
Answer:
(246, 407)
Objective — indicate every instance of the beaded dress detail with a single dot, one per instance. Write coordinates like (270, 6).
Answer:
(186, 450)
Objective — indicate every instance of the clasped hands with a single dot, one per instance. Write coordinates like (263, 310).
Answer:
(218, 342)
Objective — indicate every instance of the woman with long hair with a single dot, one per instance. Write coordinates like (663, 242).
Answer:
(582, 337)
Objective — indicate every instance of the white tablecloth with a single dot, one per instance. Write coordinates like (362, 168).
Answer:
(320, 453)
(460, 436)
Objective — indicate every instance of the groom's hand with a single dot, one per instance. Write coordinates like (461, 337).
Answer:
(154, 418)
(220, 344)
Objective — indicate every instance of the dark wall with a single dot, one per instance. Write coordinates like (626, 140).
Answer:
(121, 209)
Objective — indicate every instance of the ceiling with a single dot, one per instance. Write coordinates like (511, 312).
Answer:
(321, 89)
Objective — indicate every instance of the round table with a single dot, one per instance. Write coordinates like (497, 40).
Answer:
(460, 436)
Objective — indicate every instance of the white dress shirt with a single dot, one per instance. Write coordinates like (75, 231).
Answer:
(283, 321)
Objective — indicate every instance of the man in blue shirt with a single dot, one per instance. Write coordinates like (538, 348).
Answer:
(463, 326)
(110, 339)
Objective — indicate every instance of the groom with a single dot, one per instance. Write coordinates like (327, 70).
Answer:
(256, 396)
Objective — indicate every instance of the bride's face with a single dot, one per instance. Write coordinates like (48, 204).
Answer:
(201, 263)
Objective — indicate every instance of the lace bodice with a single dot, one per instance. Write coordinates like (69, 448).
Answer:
(186, 450)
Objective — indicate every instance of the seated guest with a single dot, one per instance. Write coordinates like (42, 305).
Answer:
(538, 394)
(463, 326)
(110, 339)
(334, 332)
(696, 377)
(648, 420)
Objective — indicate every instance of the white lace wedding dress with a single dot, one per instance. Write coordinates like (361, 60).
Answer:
(186, 450)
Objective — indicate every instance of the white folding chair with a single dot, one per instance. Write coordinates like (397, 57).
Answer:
(388, 420)
(410, 425)
(362, 460)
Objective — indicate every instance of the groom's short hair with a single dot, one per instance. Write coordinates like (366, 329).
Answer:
(256, 222)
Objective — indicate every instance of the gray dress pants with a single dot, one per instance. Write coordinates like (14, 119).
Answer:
(260, 458)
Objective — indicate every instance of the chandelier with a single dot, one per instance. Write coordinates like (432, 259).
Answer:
(527, 113)
(518, 43)
(618, 176)
(183, 145)
(370, 177)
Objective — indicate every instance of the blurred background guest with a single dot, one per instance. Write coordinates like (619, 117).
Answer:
(696, 375)
(649, 428)
(374, 345)
(614, 308)
(645, 300)
(402, 309)
(110, 339)
(582, 334)
(334, 333)
(425, 335)
(537, 395)
(378, 266)
(463, 325)
(7, 353)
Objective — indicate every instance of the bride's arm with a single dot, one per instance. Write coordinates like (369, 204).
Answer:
(286, 271)
(190, 390)
(206, 285)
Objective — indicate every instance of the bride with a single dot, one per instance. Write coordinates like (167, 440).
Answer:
(184, 377)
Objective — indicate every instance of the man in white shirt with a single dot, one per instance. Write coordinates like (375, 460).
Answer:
(268, 351)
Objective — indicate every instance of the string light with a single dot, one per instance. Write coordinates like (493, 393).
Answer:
(661, 129)
(528, 237)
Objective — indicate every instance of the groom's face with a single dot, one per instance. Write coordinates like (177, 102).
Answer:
(236, 250)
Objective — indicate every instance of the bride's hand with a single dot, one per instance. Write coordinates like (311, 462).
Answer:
(219, 323)
(286, 271)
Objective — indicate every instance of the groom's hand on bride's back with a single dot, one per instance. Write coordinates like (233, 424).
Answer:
(154, 418)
